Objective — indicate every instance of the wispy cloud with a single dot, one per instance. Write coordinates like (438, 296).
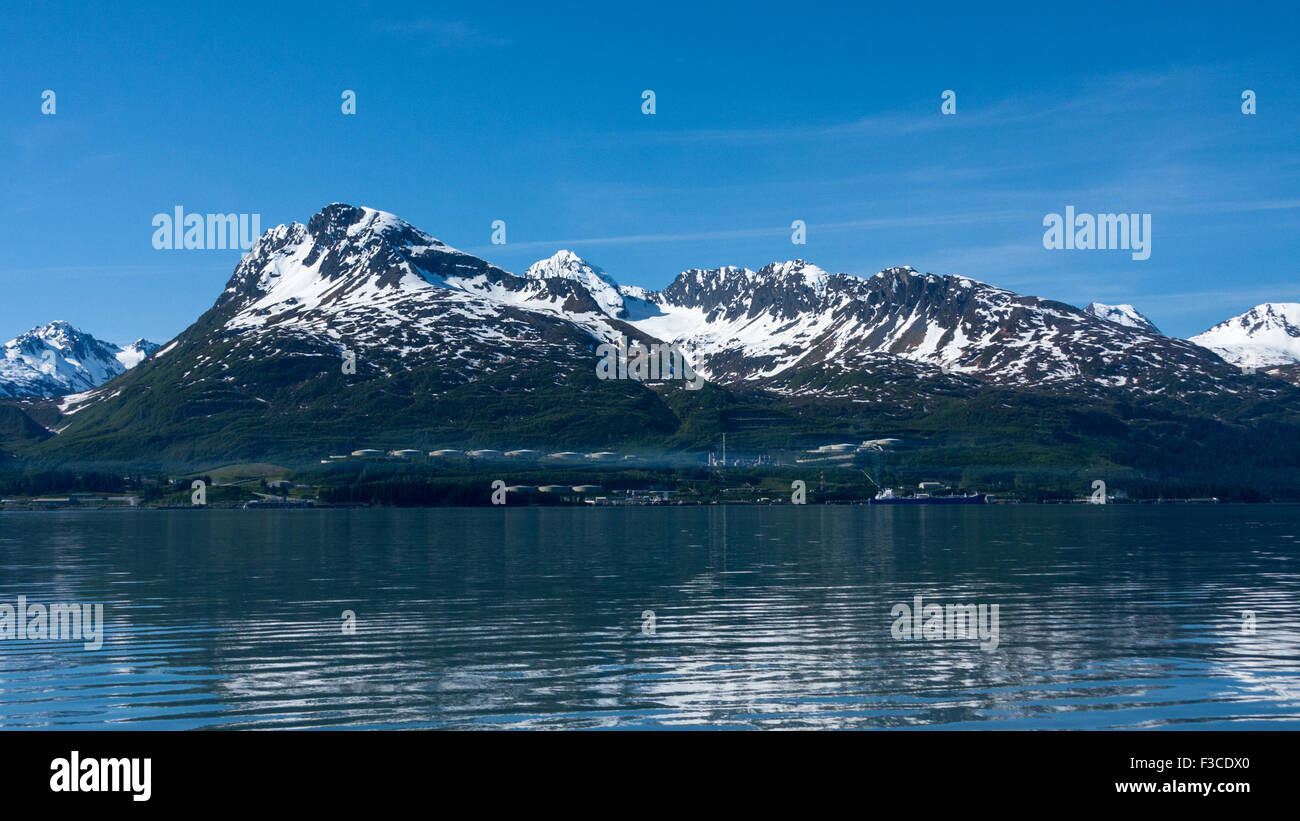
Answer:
(750, 233)
(890, 123)
(1100, 100)
(632, 239)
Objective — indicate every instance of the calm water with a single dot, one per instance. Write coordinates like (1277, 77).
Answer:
(1122, 617)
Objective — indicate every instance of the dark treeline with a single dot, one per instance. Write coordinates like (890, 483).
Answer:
(34, 482)
(60, 481)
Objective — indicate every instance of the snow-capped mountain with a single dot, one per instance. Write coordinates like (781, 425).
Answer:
(767, 327)
(58, 359)
(447, 347)
(1122, 314)
(1266, 335)
(360, 278)
(568, 265)
(361, 281)
(134, 353)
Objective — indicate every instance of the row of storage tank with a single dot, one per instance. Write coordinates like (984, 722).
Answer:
(554, 488)
(487, 453)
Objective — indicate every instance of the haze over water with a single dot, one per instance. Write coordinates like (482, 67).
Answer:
(1110, 617)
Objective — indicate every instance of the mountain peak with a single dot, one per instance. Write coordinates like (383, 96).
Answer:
(1268, 334)
(1121, 314)
(339, 221)
(1288, 312)
(59, 328)
(59, 335)
(564, 257)
(58, 358)
(135, 353)
(343, 251)
(800, 272)
(565, 264)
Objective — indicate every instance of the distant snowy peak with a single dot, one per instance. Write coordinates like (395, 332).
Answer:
(58, 359)
(1122, 314)
(792, 321)
(1268, 334)
(798, 272)
(783, 289)
(570, 266)
(135, 353)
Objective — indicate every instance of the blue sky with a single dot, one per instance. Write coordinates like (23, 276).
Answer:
(531, 113)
